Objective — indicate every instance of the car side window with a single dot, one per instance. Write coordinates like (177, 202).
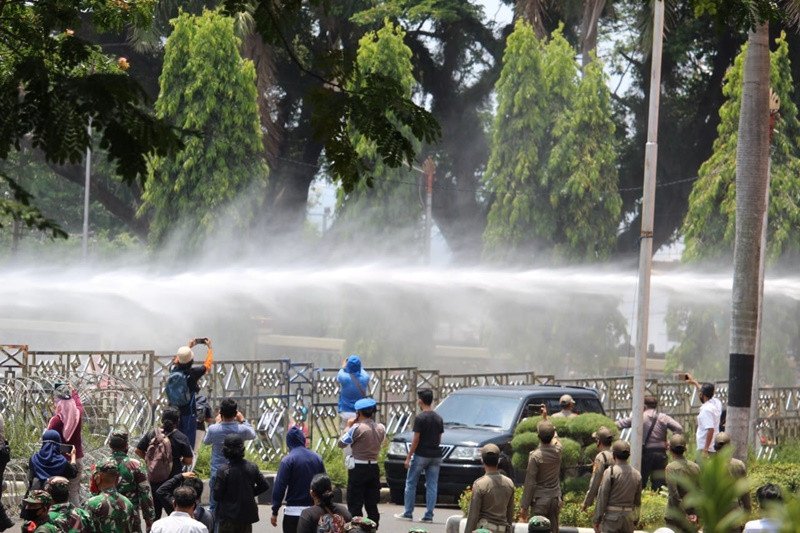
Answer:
(588, 405)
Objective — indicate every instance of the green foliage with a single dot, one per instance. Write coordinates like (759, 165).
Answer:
(553, 162)
(208, 89)
(570, 453)
(582, 172)
(783, 473)
(710, 223)
(574, 433)
(715, 495)
(334, 466)
(53, 82)
(515, 168)
(378, 108)
(583, 426)
(382, 213)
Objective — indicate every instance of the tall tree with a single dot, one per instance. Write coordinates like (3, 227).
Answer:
(752, 182)
(50, 88)
(709, 227)
(582, 172)
(514, 172)
(383, 213)
(208, 90)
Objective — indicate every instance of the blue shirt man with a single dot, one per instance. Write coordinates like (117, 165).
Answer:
(354, 385)
(293, 480)
(232, 422)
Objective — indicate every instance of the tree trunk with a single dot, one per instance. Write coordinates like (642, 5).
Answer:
(592, 9)
(752, 173)
(532, 12)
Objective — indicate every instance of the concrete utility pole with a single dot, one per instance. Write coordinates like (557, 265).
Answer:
(646, 238)
(429, 169)
(88, 182)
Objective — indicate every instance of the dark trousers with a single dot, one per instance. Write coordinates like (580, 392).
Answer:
(158, 505)
(653, 464)
(290, 524)
(188, 422)
(364, 490)
(234, 527)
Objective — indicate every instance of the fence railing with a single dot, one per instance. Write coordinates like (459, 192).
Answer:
(272, 393)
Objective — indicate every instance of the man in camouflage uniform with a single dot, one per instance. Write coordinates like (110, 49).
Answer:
(542, 490)
(603, 437)
(35, 513)
(110, 511)
(679, 517)
(620, 494)
(133, 482)
(62, 513)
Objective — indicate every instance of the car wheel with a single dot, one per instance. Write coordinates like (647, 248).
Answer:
(397, 495)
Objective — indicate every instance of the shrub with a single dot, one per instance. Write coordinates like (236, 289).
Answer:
(588, 454)
(581, 427)
(334, 466)
(578, 485)
(520, 460)
(524, 443)
(570, 453)
(528, 425)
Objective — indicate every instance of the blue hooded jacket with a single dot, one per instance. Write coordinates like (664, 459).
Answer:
(350, 393)
(295, 472)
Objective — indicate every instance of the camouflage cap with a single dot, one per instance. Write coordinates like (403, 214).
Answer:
(722, 439)
(56, 481)
(109, 466)
(538, 523)
(39, 497)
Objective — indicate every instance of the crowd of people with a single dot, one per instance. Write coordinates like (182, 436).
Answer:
(130, 493)
(615, 488)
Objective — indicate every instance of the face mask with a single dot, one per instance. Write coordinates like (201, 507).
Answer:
(29, 514)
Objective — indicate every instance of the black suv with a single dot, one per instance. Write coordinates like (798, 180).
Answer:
(474, 417)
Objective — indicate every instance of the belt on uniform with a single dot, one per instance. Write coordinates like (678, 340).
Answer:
(617, 509)
(364, 462)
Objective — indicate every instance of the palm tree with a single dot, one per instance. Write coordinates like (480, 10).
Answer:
(752, 179)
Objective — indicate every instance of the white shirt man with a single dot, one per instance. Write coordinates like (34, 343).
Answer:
(764, 525)
(708, 419)
(180, 520)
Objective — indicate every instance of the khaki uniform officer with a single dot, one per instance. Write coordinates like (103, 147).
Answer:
(542, 492)
(620, 494)
(567, 405)
(492, 505)
(737, 469)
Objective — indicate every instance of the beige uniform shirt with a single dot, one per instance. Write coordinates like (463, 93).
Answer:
(543, 478)
(602, 461)
(675, 471)
(492, 499)
(624, 492)
(367, 440)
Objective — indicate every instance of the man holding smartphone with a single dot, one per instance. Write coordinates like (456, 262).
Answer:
(708, 419)
(183, 385)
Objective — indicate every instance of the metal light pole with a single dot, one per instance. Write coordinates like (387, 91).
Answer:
(429, 169)
(646, 238)
(87, 185)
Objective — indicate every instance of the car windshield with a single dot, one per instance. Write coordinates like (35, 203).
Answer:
(478, 411)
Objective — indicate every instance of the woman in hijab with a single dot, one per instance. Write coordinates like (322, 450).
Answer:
(67, 422)
(49, 462)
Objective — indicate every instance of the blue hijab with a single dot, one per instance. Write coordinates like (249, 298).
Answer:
(48, 461)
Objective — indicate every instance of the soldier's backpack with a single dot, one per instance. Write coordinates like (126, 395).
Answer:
(159, 457)
(178, 393)
(330, 523)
